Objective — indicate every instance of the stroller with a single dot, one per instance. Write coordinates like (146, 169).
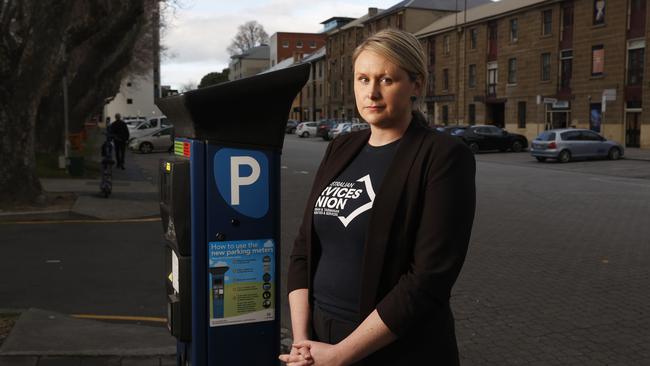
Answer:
(106, 184)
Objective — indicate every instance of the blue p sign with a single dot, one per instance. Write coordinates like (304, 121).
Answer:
(242, 178)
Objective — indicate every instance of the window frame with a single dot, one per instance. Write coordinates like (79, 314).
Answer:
(514, 31)
(473, 38)
(599, 47)
(471, 76)
(512, 71)
(549, 31)
(521, 114)
(445, 79)
(594, 19)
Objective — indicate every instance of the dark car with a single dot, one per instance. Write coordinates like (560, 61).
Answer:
(324, 127)
(291, 126)
(480, 138)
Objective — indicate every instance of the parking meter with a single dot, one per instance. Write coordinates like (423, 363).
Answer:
(220, 207)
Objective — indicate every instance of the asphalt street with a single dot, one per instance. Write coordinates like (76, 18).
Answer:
(557, 272)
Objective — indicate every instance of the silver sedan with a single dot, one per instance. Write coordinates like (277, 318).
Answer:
(571, 143)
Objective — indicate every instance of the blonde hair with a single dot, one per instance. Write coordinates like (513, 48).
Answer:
(400, 48)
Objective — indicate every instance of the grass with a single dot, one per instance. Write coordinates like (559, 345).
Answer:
(47, 165)
(7, 321)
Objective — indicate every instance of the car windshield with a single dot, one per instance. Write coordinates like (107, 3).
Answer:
(546, 136)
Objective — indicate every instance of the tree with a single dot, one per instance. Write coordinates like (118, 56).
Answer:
(249, 35)
(214, 78)
(92, 41)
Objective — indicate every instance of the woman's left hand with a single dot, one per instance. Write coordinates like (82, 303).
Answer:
(322, 354)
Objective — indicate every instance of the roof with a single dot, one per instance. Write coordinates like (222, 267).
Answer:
(262, 52)
(318, 54)
(359, 21)
(345, 19)
(492, 9)
(444, 5)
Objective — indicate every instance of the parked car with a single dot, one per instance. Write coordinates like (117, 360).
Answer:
(324, 127)
(133, 121)
(486, 137)
(454, 130)
(571, 143)
(144, 128)
(160, 140)
(306, 129)
(291, 126)
(336, 130)
(346, 128)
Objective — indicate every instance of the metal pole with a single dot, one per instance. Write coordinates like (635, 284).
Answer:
(66, 141)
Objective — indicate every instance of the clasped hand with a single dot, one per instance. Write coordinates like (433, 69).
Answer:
(307, 353)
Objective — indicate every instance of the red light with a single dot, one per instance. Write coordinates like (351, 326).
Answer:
(552, 145)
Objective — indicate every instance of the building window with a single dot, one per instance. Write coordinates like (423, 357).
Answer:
(129, 101)
(445, 115)
(521, 114)
(473, 38)
(566, 65)
(320, 69)
(514, 30)
(635, 61)
(547, 22)
(512, 71)
(493, 78)
(472, 114)
(400, 21)
(597, 60)
(599, 12)
(546, 67)
(285, 44)
(445, 79)
(445, 45)
(298, 44)
(471, 79)
(312, 44)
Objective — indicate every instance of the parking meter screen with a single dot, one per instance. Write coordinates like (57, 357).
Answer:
(241, 283)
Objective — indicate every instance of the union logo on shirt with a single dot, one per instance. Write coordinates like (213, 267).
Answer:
(338, 195)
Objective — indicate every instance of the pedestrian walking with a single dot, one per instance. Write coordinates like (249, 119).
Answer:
(120, 133)
(386, 228)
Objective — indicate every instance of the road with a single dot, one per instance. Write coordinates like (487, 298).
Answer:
(557, 272)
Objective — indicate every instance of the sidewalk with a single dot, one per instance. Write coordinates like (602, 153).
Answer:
(634, 153)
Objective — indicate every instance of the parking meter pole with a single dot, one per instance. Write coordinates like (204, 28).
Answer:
(230, 137)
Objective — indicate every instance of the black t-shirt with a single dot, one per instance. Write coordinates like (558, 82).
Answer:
(341, 216)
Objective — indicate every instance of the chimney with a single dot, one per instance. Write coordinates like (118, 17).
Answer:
(372, 12)
(297, 56)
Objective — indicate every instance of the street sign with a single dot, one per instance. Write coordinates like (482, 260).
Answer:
(550, 100)
(609, 95)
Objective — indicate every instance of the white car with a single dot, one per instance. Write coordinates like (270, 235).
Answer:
(160, 140)
(306, 129)
(144, 128)
(134, 121)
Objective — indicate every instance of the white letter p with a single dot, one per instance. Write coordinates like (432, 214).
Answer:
(236, 181)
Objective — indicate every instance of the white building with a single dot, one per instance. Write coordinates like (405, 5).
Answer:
(135, 98)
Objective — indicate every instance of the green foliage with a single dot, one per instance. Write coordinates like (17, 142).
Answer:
(214, 78)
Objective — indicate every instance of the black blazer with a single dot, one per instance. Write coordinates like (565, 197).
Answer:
(417, 239)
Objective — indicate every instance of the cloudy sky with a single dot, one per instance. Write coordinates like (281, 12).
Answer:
(200, 31)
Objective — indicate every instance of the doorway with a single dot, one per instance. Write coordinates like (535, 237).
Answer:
(557, 119)
(495, 114)
(633, 129)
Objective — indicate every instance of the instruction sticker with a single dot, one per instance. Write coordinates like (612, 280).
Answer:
(240, 281)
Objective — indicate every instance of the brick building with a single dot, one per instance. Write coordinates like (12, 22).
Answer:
(312, 96)
(409, 15)
(284, 45)
(530, 65)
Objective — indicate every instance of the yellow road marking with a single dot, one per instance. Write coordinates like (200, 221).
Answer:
(120, 317)
(44, 222)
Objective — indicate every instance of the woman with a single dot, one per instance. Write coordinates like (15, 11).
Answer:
(386, 227)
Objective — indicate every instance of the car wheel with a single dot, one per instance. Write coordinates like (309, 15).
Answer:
(146, 147)
(517, 146)
(305, 134)
(541, 159)
(474, 147)
(614, 153)
(564, 157)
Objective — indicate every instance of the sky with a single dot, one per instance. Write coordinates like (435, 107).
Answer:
(199, 31)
